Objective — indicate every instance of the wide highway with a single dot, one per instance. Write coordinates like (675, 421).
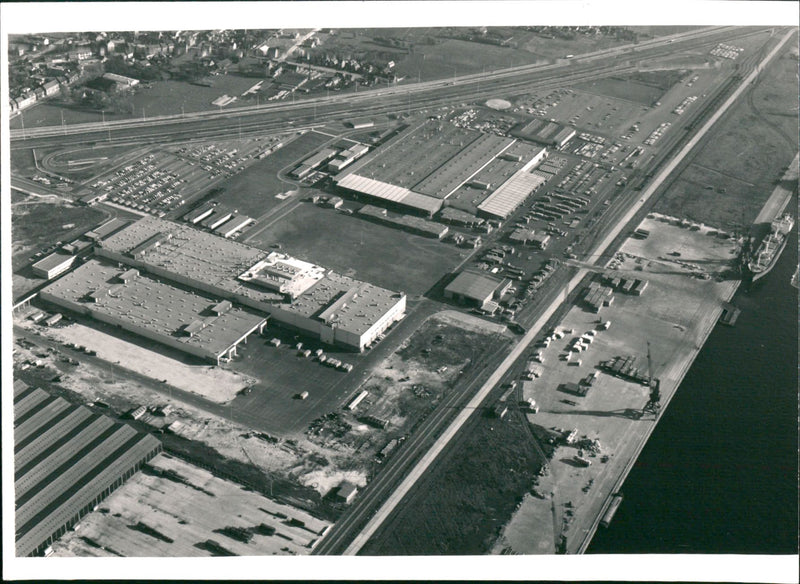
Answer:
(378, 101)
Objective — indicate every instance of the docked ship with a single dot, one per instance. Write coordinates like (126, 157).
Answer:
(766, 256)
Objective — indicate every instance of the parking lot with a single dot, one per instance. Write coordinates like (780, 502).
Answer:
(166, 178)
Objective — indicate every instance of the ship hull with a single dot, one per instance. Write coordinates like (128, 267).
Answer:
(755, 276)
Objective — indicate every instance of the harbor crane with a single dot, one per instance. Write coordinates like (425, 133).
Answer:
(653, 405)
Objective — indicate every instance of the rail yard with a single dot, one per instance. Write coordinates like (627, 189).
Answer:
(318, 307)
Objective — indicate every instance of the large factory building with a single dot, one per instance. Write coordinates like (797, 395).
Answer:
(191, 323)
(332, 307)
(66, 461)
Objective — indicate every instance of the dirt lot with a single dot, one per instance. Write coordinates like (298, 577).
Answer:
(212, 383)
(749, 148)
(413, 380)
(378, 254)
(171, 508)
(674, 315)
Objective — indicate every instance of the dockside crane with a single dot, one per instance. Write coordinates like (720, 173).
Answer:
(653, 405)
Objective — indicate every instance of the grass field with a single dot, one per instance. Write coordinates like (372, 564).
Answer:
(459, 508)
(35, 225)
(253, 190)
(744, 155)
(364, 250)
(624, 89)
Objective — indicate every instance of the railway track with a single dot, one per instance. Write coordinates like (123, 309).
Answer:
(523, 78)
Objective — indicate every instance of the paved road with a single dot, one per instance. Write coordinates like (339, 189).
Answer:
(373, 102)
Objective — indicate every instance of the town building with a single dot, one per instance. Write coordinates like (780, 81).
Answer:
(67, 460)
(121, 82)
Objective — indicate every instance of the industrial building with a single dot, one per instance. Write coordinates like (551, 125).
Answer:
(476, 288)
(108, 228)
(544, 132)
(191, 323)
(396, 197)
(66, 461)
(202, 212)
(234, 224)
(313, 162)
(348, 156)
(512, 193)
(530, 237)
(420, 168)
(53, 265)
(334, 308)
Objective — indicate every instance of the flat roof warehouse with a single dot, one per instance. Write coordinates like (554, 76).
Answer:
(295, 296)
(421, 167)
(184, 320)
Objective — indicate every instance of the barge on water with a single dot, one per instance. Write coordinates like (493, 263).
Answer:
(616, 501)
(730, 314)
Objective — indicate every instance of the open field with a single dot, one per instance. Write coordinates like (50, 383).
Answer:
(454, 508)
(172, 508)
(253, 190)
(162, 98)
(674, 314)
(743, 156)
(36, 225)
(364, 250)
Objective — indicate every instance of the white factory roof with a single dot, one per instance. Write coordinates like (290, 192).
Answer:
(511, 193)
(284, 274)
(389, 192)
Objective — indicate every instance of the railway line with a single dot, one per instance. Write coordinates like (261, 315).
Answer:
(674, 150)
(272, 117)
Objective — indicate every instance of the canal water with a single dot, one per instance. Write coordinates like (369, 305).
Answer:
(719, 474)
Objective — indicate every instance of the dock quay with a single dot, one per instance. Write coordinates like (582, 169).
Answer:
(674, 316)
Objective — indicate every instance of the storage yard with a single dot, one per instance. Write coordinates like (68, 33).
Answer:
(173, 508)
(673, 315)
